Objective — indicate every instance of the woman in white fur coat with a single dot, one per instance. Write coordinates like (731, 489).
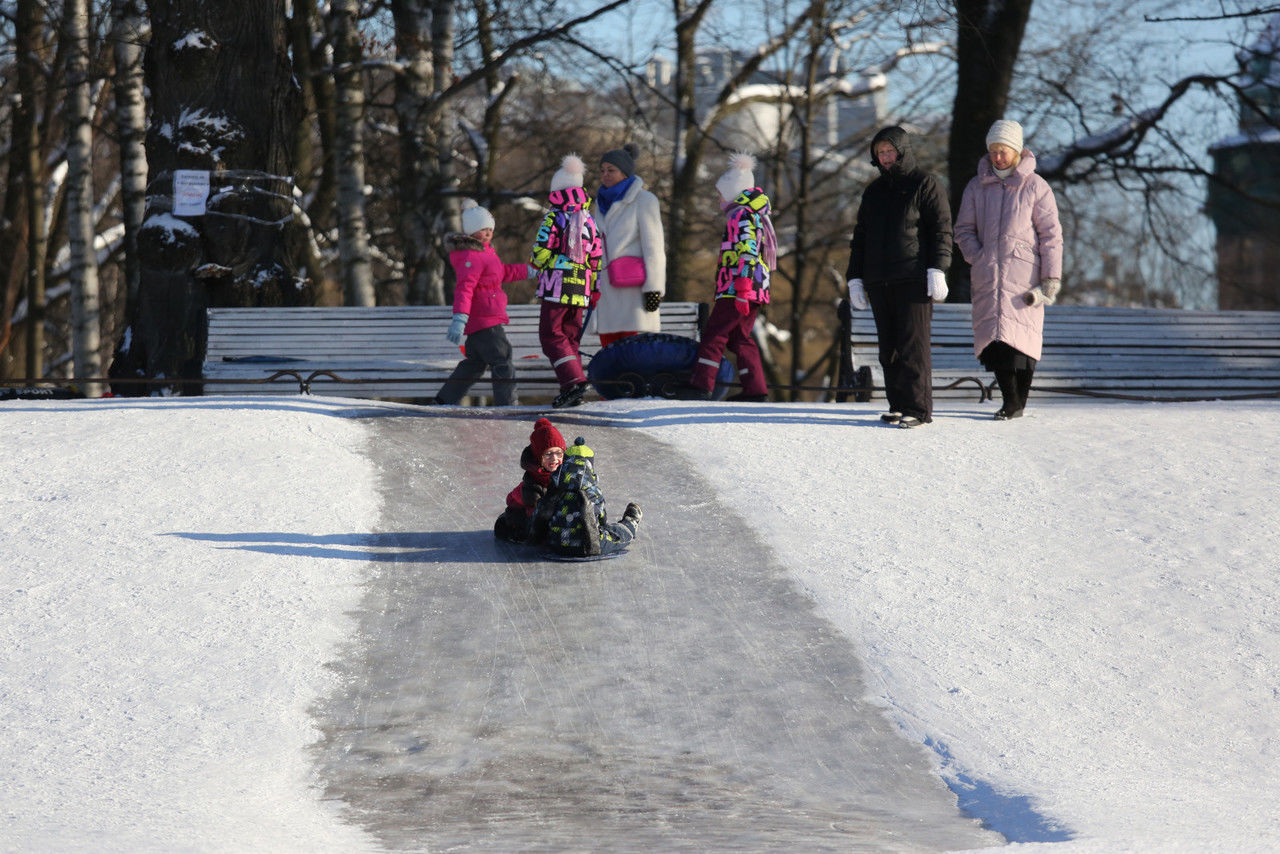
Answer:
(633, 278)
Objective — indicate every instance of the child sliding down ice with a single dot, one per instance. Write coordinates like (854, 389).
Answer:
(539, 459)
(571, 519)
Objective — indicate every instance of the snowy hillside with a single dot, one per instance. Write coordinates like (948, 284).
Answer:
(1076, 610)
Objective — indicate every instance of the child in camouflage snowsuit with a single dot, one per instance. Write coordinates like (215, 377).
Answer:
(571, 518)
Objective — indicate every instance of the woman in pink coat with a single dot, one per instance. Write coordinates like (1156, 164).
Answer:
(1008, 231)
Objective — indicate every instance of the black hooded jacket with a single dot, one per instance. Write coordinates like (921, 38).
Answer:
(904, 222)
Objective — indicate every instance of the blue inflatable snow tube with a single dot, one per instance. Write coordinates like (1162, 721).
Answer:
(650, 364)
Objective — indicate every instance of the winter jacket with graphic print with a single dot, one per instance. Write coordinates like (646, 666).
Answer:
(742, 271)
(481, 275)
(568, 249)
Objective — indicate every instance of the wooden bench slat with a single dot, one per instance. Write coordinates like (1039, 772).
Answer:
(1160, 351)
(398, 352)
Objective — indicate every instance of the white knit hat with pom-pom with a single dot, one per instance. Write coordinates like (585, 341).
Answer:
(738, 178)
(570, 174)
(474, 217)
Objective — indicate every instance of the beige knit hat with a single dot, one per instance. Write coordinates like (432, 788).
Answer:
(474, 217)
(1006, 132)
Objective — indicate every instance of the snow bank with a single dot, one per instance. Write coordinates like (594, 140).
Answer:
(1077, 608)
(155, 685)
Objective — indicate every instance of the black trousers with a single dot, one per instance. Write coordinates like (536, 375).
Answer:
(904, 316)
(1014, 371)
(485, 348)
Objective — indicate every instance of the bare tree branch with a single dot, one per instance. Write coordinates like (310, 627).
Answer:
(519, 45)
(1222, 16)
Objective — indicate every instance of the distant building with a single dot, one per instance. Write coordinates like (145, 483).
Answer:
(1245, 202)
(857, 108)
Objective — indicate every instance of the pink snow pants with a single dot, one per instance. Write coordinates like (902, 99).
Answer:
(559, 330)
(727, 328)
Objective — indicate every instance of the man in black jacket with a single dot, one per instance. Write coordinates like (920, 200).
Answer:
(898, 258)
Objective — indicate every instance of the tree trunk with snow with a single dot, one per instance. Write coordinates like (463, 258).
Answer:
(85, 315)
(988, 37)
(353, 228)
(223, 101)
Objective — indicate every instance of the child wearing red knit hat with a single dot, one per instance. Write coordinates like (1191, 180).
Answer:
(539, 459)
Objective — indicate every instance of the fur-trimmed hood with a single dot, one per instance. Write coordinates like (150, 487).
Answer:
(456, 241)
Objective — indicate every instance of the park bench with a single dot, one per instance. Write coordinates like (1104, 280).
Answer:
(390, 352)
(1128, 353)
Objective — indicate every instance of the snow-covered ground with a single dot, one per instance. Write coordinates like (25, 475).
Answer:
(1077, 610)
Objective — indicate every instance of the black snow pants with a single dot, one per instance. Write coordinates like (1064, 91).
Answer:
(485, 348)
(904, 316)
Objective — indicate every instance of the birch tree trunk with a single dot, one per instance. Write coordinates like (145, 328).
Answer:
(85, 314)
(687, 148)
(128, 32)
(353, 229)
(314, 163)
(443, 182)
(415, 87)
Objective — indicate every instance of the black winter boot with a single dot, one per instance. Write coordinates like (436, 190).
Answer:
(570, 396)
(1012, 400)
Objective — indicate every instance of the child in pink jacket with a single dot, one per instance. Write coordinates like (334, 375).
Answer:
(480, 309)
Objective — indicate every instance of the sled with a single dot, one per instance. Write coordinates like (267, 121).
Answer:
(650, 364)
(582, 559)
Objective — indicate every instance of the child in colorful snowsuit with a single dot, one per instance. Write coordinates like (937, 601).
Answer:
(748, 252)
(539, 459)
(480, 309)
(566, 254)
(571, 518)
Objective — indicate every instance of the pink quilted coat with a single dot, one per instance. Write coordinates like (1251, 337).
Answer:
(1008, 231)
(481, 275)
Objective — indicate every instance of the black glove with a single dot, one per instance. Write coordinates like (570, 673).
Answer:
(652, 299)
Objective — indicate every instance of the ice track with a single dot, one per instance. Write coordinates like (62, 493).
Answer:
(682, 697)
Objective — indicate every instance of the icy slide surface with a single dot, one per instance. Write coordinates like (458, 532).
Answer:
(682, 697)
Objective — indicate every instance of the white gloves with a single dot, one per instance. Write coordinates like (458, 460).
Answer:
(937, 284)
(455, 328)
(858, 295)
(532, 270)
(1044, 293)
